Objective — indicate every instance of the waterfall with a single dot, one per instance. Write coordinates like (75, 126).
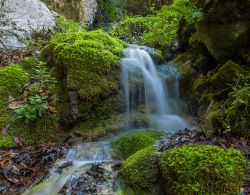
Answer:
(144, 85)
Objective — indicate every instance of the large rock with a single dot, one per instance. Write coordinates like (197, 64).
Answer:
(19, 19)
(225, 40)
(225, 29)
(80, 10)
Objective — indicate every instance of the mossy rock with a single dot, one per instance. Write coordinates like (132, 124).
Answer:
(131, 142)
(226, 75)
(86, 62)
(12, 80)
(7, 142)
(215, 117)
(140, 171)
(203, 169)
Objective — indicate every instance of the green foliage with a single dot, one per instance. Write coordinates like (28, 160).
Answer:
(32, 96)
(12, 80)
(238, 107)
(156, 31)
(7, 142)
(66, 25)
(33, 110)
(203, 169)
(131, 142)
(109, 11)
(186, 9)
(140, 171)
(42, 85)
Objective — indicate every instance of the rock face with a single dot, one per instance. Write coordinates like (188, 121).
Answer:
(18, 19)
(80, 10)
(225, 30)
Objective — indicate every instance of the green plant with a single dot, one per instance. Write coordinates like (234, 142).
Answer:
(186, 9)
(131, 142)
(203, 169)
(66, 25)
(239, 102)
(34, 109)
(42, 80)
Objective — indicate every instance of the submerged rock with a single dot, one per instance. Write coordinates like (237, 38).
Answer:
(19, 19)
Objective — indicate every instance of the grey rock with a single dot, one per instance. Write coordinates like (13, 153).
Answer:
(19, 19)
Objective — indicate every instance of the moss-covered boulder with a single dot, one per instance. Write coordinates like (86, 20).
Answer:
(203, 169)
(131, 142)
(226, 27)
(227, 74)
(140, 171)
(86, 63)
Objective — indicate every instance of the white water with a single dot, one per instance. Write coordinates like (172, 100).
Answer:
(143, 84)
(82, 156)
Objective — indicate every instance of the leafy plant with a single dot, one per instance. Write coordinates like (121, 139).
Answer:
(38, 94)
(34, 109)
(238, 107)
(158, 30)
(67, 25)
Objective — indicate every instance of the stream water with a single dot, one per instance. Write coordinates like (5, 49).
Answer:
(150, 91)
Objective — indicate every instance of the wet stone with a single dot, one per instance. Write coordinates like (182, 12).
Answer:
(98, 179)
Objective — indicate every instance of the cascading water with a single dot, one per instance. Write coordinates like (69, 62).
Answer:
(143, 84)
(68, 176)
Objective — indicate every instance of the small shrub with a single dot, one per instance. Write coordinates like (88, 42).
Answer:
(131, 142)
(203, 169)
(33, 110)
(140, 171)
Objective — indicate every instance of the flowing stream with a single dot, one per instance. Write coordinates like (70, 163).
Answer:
(149, 91)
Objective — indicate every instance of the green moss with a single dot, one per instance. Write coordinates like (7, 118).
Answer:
(140, 171)
(7, 142)
(203, 169)
(227, 74)
(131, 142)
(215, 117)
(93, 129)
(86, 62)
(12, 79)
(200, 84)
(183, 62)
